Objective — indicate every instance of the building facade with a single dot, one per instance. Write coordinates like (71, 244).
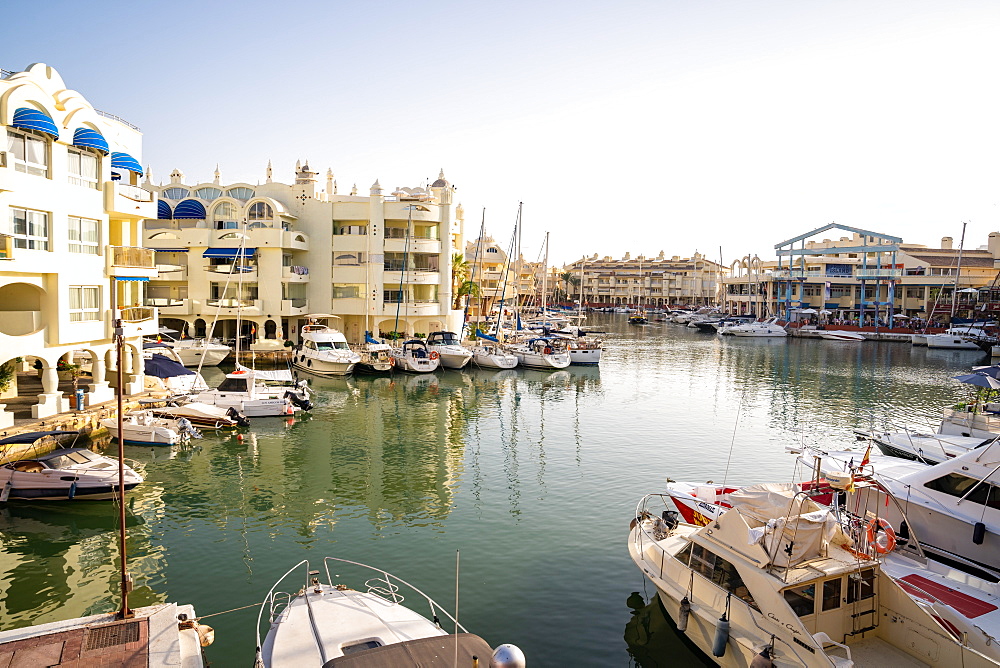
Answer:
(656, 282)
(71, 261)
(268, 255)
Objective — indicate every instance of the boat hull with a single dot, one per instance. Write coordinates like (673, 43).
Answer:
(841, 336)
(202, 356)
(495, 361)
(585, 356)
(542, 361)
(322, 367)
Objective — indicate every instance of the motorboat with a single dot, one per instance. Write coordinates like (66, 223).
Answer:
(204, 416)
(966, 606)
(918, 339)
(324, 351)
(143, 427)
(414, 356)
(453, 354)
(839, 335)
(542, 353)
(164, 372)
(956, 338)
(954, 506)
(584, 351)
(197, 352)
(638, 318)
(489, 355)
(65, 474)
(335, 625)
(769, 327)
(376, 357)
(779, 579)
(241, 391)
(923, 447)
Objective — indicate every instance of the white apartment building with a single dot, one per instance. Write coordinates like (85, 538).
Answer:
(273, 253)
(71, 213)
(496, 275)
(659, 281)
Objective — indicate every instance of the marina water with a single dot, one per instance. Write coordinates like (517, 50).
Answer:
(533, 476)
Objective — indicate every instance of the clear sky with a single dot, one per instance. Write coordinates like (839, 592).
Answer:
(622, 126)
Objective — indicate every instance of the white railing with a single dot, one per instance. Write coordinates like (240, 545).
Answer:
(117, 118)
(879, 273)
(134, 193)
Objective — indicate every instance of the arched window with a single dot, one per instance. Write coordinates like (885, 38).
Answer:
(260, 211)
(208, 193)
(241, 193)
(163, 235)
(225, 216)
(175, 193)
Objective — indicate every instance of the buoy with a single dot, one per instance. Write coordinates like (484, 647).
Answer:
(239, 437)
(682, 615)
(978, 533)
(206, 634)
(721, 637)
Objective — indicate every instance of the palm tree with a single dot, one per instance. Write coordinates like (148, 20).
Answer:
(459, 270)
(467, 288)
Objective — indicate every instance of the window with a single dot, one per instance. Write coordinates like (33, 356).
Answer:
(719, 571)
(225, 215)
(802, 600)
(348, 259)
(395, 233)
(30, 151)
(175, 193)
(958, 485)
(30, 229)
(350, 229)
(84, 167)
(208, 193)
(348, 291)
(492, 250)
(860, 585)
(915, 293)
(260, 211)
(240, 193)
(392, 296)
(831, 594)
(84, 303)
(84, 236)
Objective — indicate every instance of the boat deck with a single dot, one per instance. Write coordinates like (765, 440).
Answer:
(874, 652)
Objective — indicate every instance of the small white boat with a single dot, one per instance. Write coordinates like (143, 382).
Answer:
(840, 335)
(453, 354)
(956, 338)
(145, 428)
(333, 625)
(926, 448)
(918, 339)
(492, 356)
(240, 391)
(769, 327)
(199, 352)
(585, 352)
(376, 357)
(324, 351)
(542, 353)
(413, 356)
(204, 416)
(64, 475)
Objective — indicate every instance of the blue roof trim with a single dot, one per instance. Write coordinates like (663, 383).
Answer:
(190, 208)
(163, 211)
(120, 160)
(87, 138)
(230, 252)
(27, 118)
(132, 279)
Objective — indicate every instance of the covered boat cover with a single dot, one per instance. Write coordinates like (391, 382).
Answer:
(32, 436)
(162, 366)
(434, 651)
(282, 375)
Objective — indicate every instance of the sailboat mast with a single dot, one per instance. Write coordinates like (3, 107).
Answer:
(958, 275)
(545, 274)
(119, 334)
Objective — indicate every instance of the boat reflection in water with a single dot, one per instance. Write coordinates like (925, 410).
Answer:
(653, 639)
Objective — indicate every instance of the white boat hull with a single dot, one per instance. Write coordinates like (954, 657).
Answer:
(139, 434)
(950, 342)
(97, 482)
(210, 356)
(585, 356)
(323, 367)
(416, 364)
(542, 361)
(451, 360)
(838, 335)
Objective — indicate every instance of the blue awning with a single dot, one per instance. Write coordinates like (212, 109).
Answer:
(27, 118)
(121, 160)
(125, 279)
(230, 252)
(87, 138)
(163, 211)
(190, 208)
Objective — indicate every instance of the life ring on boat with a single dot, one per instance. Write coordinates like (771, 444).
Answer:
(547, 351)
(435, 354)
(872, 534)
(392, 361)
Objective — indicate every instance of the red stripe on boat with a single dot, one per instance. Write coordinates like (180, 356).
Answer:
(969, 606)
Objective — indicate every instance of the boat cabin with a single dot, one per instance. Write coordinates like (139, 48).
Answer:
(443, 339)
(415, 348)
(236, 382)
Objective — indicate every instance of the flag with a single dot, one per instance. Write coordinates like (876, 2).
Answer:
(864, 460)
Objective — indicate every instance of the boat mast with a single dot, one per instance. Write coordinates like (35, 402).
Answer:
(958, 274)
(545, 274)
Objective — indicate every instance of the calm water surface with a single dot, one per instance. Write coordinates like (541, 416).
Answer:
(532, 476)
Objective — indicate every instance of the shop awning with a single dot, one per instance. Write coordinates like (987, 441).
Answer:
(87, 138)
(120, 160)
(27, 118)
(229, 252)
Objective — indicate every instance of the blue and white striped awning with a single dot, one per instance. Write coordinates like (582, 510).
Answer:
(190, 208)
(120, 160)
(229, 252)
(163, 211)
(87, 138)
(27, 118)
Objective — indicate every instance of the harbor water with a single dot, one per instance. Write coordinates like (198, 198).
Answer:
(532, 477)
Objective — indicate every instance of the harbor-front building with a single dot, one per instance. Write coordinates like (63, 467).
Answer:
(270, 254)
(70, 245)
(656, 282)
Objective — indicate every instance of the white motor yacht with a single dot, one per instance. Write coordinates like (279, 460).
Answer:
(921, 447)
(542, 353)
(780, 580)
(198, 352)
(414, 356)
(204, 416)
(241, 391)
(490, 355)
(453, 354)
(65, 474)
(956, 338)
(334, 625)
(769, 327)
(840, 335)
(144, 427)
(325, 352)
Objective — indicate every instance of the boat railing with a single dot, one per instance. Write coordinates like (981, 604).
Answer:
(271, 600)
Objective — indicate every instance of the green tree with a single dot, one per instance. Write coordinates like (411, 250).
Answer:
(466, 288)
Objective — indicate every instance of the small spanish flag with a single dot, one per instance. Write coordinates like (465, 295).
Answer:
(864, 460)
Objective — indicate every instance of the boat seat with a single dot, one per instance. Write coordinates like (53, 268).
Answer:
(28, 467)
(840, 662)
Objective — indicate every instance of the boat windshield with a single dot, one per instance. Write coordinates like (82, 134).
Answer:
(69, 459)
(233, 385)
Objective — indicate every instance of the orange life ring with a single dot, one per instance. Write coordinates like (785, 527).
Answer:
(435, 354)
(392, 361)
(872, 534)
(547, 351)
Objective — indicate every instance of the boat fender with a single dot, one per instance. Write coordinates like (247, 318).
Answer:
(880, 546)
(435, 354)
(978, 533)
(72, 490)
(507, 656)
(682, 614)
(721, 637)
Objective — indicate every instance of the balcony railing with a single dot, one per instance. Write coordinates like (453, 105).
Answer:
(134, 193)
(117, 118)
(132, 256)
(877, 273)
(297, 302)
(138, 313)
(231, 303)
(163, 302)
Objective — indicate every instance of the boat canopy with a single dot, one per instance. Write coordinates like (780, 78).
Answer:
(162, 366)
(32, 436)
(370, 339)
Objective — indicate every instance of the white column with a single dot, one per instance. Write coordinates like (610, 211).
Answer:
(50, 401)
(99, 390)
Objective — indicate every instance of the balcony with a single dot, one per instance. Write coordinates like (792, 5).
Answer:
(137, 320)
(411, 308)
(130, 261)
(796, 273)
(171, 305)
(122, 200)
(171, 272)
(395, 244)
(884, 272)
(295, 274)
(244, 271)
(275, 237)
(229, 306)
(6, 247)
(294, 306)
(411, 277)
